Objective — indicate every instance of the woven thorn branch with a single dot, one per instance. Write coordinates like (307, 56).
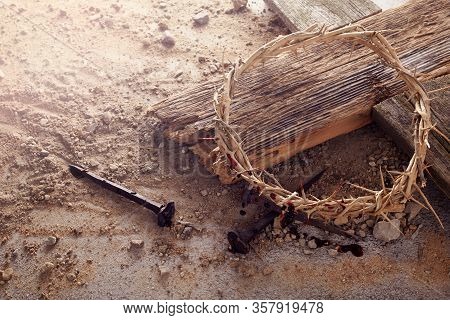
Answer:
(376, 203)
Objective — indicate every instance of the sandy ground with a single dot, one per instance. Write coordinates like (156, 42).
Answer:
(76, 78)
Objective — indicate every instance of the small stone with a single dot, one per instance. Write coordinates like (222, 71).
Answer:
(201, 18)
(146, 44)
(339, 221)
(51, 241)
(302, 242)
(239, 4)
(333, 252)
(47, 267)
(307, 252)
(187, 232)
(163, 248)
(164, 271)
(43, 122)
(387, 231)
(150, 167)
(7, 274)
(204, 193)
(137, 243)
(362, 233)
(2, 75)
(44, 153)
(267, 270)
(71, 277)
(372, 164)
(113, 167)
(370, 223)
(312, 244)
(167, 39)
(412, 209)
(163, 26)
(46, 197)
(106, 118)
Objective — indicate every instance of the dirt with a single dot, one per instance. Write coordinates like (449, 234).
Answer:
(76, 79)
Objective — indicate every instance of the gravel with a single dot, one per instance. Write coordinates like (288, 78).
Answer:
(312, 244)
(201, 18)
(387, 231)
(51, 241)
(137, 243)
(167, 39)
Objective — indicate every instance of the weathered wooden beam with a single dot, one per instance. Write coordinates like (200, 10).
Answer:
(395, 116)
(301, 14)
(296, 102)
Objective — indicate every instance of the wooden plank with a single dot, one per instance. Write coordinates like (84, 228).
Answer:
(395, 116)
(300, 14)
(293, 103)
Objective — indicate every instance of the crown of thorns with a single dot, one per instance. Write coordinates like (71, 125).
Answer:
(375, 203)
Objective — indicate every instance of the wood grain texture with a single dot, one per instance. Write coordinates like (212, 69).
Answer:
(395, 117)
(296, 102)
(300, 14)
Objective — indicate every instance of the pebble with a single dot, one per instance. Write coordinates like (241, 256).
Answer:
(44, 153)
(2, 75)
(167, 39)
(372, 164)
(201, 18)
(204, 193)
(302, 242)
(333, 252)
(7, 274)
(137, 243)
(370, 223)
(413, 209)
(187, 232)
(163, 26)
(51, 241)
(106, 118)
(238, 4)
(387, 231)
(43, 122)
(362, 233)
(339, 221)
(113, 167)
(267, 270)
(48, 266)
(71, 277)
(312, 244)
(164, 271)
(307, 251)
